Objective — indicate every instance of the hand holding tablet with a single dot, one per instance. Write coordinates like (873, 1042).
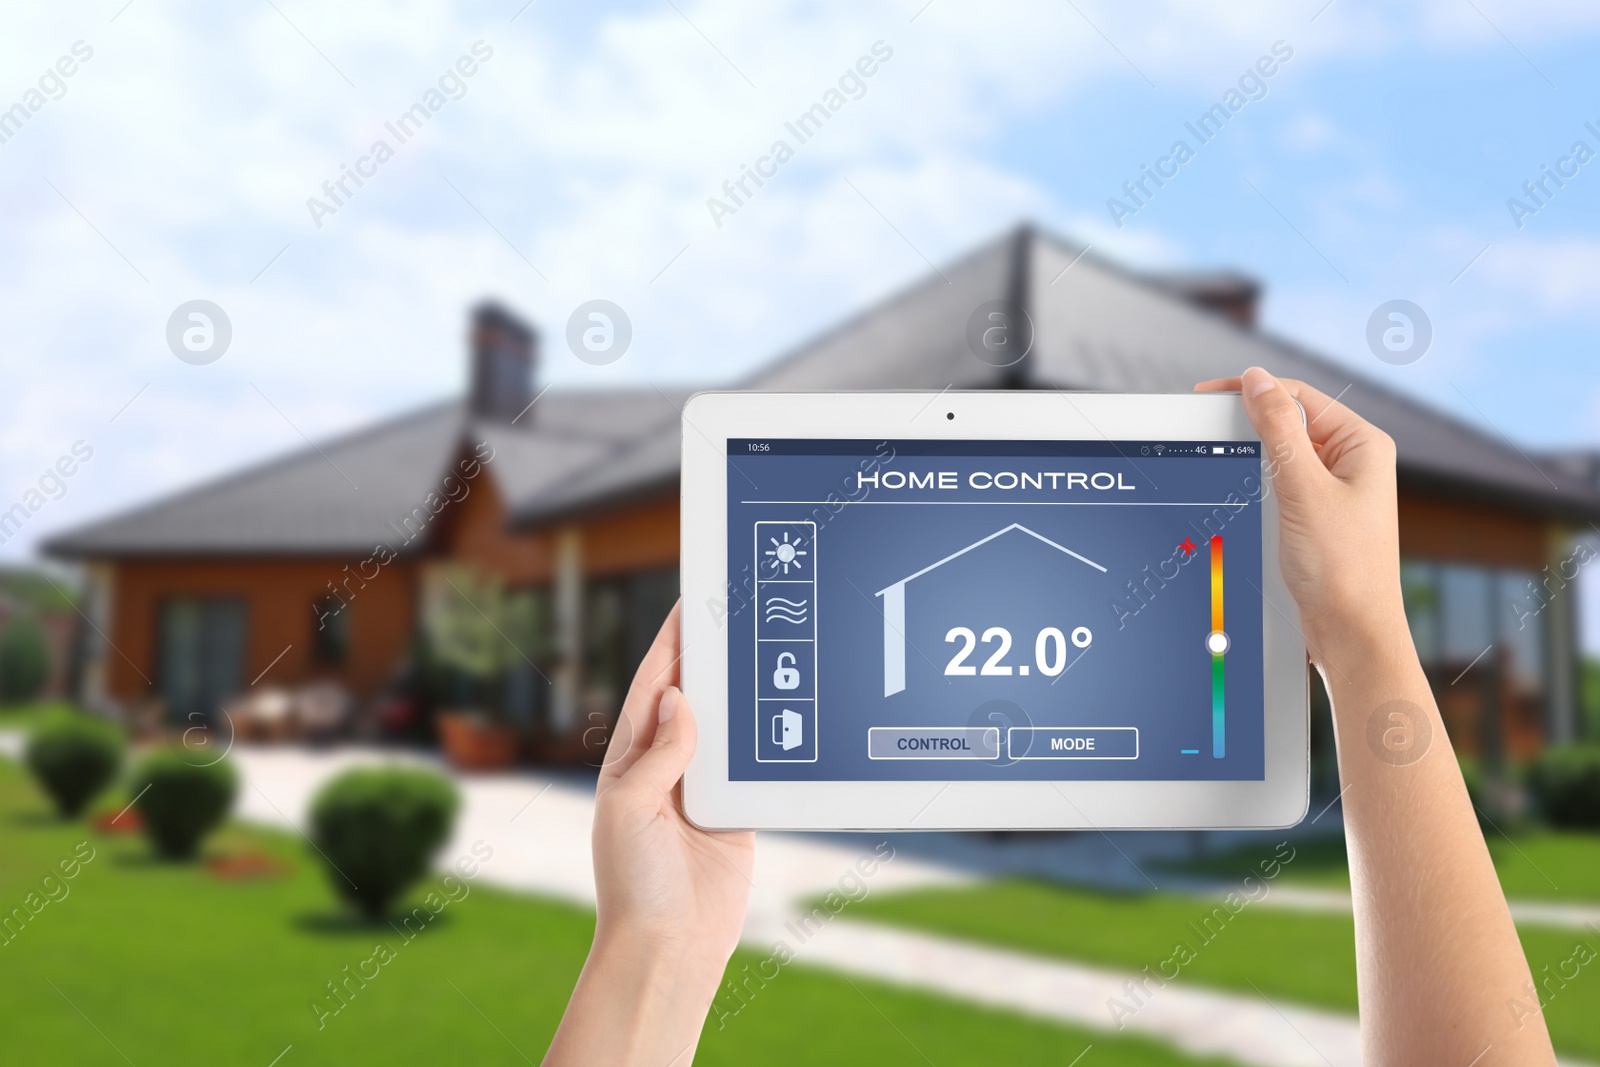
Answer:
(995, 610)
(1437, 957)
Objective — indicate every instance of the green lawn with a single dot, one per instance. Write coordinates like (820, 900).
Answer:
(155, 964)
(1537, 865)
(25, 716)
(1298, 956)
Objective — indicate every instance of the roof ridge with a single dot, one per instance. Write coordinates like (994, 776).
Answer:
(257, 469)
(857, 318)
(1334, 367)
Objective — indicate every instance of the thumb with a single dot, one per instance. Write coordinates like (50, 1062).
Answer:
(663, 763)
(1290, 459)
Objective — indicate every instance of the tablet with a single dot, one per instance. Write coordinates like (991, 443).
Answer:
(998, 610)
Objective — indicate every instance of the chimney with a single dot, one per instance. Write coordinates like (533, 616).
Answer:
(503, 354)
(1234, 296)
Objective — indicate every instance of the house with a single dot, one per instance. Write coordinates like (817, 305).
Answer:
(894, 604)
(572, 499)
(31, 598)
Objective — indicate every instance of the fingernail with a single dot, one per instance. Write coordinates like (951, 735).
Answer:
(1257, 381)
(669, 704)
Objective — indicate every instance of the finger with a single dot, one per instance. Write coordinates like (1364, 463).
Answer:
(661, 765)
(1276, 417)
(1325, 416)
(636, 725)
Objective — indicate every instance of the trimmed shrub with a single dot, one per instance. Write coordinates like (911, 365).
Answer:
(24, 662)
(183, 802)
(1477, 783)
(379, 828)
(1565, 782)
(74, 758)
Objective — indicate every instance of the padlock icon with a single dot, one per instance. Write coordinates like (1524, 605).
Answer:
(786, 677)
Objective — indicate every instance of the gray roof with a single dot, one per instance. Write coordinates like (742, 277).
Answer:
(1096, 327)
(346, 495)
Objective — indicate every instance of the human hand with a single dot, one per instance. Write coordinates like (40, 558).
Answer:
(663, 883)
(1334, 475)
(671, 897)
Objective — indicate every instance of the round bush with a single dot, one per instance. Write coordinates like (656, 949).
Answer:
(24, 662)
(1565, 783)
(184, 801)
(74, 758)
(379, 828)
(1480, 794)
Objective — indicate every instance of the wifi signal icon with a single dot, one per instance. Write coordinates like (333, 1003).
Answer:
(1158, 449)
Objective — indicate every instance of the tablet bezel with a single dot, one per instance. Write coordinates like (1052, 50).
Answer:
(712, 801)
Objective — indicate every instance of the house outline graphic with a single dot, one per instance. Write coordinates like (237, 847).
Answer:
(894, 605)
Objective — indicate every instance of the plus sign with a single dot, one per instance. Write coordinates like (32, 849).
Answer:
(1187, 547)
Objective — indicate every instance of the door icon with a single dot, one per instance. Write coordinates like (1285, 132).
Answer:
(788, 730)
(787, 676)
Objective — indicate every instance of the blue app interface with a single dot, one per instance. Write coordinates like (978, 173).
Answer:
(985, 610)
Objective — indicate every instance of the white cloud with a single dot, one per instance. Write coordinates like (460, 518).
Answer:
(194, 136)
(1553, 274)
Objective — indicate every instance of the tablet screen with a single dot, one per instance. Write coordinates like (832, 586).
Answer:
(994, 610)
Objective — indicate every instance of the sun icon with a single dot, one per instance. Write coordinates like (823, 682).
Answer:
(786, 553)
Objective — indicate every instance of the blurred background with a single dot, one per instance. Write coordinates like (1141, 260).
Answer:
(343, 356)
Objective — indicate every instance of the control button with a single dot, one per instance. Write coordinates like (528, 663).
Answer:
(786, 670)
(786, 732)
(787, 676)
(933, 742)
(1073, 742)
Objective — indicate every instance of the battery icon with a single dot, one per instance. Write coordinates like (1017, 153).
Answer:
(1218, 450)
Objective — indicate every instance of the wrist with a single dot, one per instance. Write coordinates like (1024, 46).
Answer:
(674, 965)
(1372, 640)
(638, 1003)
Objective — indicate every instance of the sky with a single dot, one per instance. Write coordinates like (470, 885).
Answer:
(183, 158)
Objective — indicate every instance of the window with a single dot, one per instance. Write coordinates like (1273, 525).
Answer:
(330, 631)
(1482, 642)
(620, 618)
(530, 616)
(200, 655)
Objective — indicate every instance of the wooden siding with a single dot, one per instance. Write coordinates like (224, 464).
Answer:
(1441, 528)
(640, 537)
(279, 593)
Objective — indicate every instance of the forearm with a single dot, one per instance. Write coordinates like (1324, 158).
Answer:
(1440, 970)
(635, 1005)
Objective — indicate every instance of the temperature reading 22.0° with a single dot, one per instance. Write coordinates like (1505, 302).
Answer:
(1049, 651)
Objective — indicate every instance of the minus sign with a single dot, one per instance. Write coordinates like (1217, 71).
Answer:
(1189, 752)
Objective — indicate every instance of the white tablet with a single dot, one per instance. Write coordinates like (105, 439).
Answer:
(999, 610)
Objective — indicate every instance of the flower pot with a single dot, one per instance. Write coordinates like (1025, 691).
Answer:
(473, 743)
